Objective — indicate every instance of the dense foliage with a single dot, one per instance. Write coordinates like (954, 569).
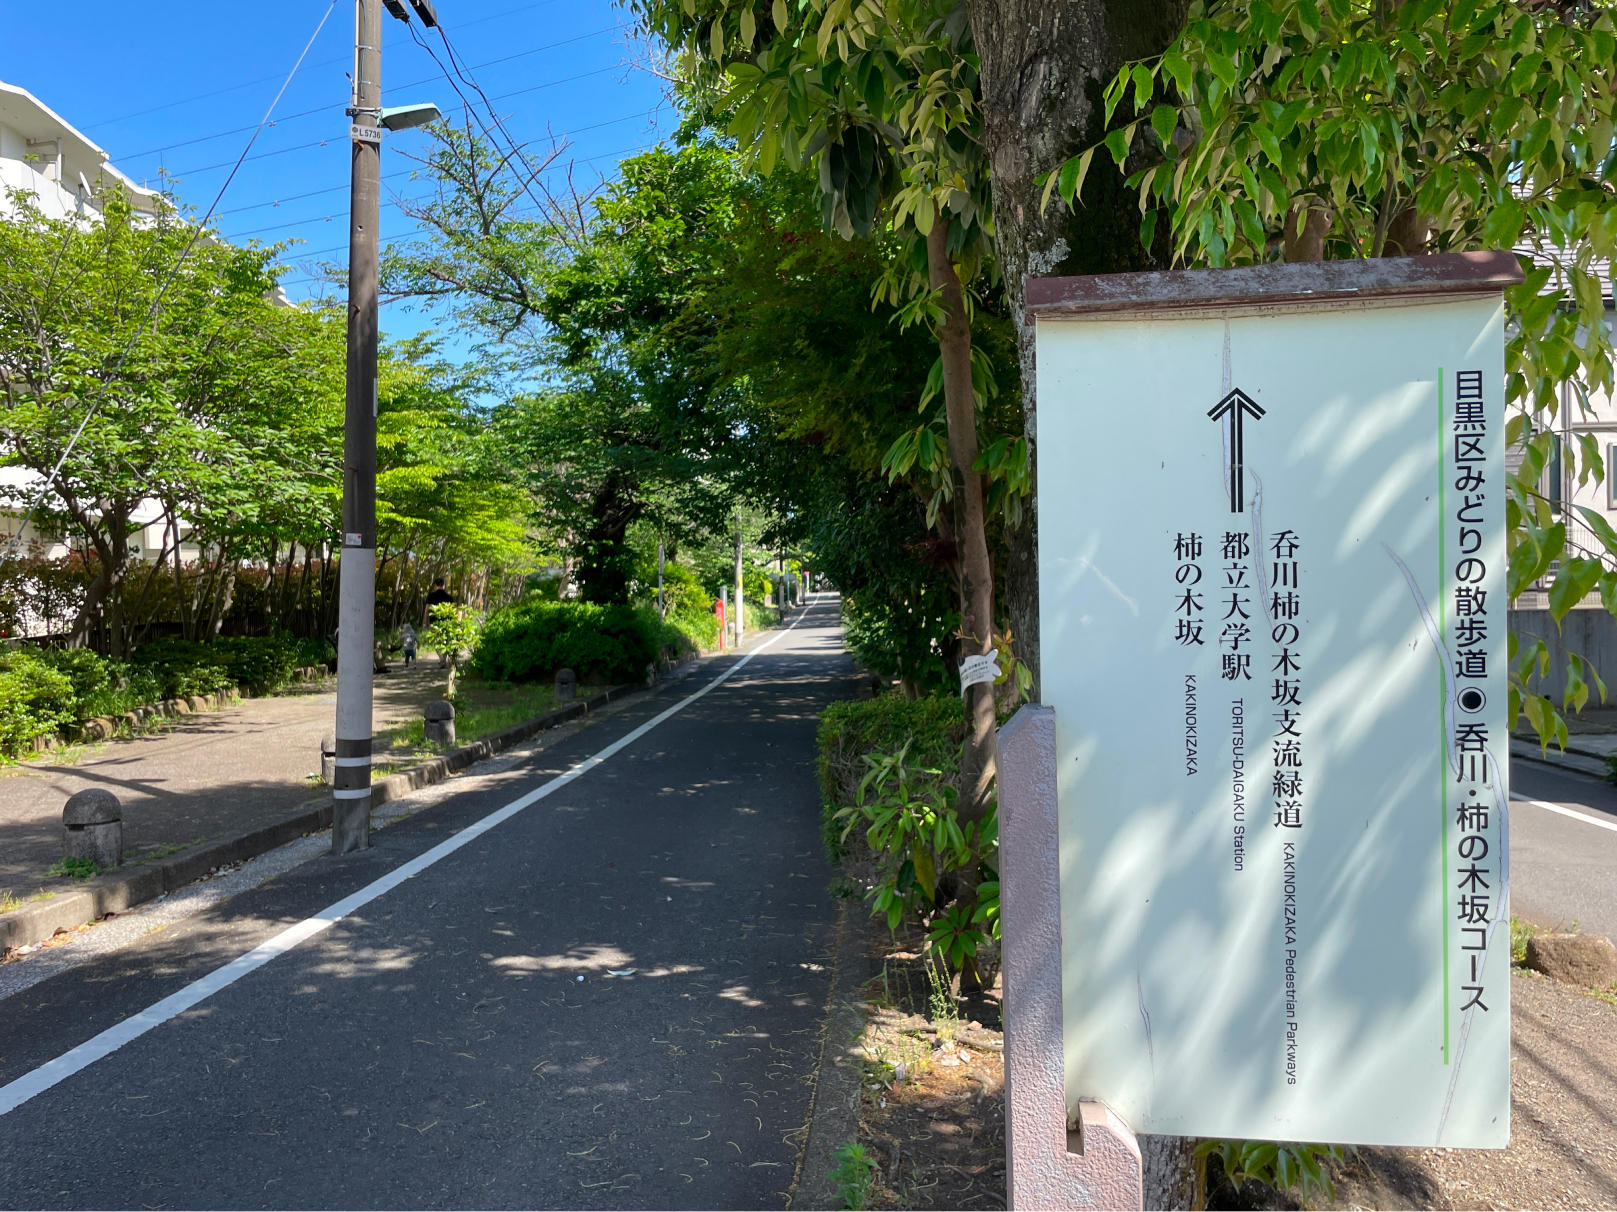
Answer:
(533, 638)
(1309, 129)
(45, 691)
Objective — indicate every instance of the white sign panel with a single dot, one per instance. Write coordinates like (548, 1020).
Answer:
(1273, 629)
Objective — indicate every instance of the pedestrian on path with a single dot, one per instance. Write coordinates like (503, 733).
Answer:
(407, 638)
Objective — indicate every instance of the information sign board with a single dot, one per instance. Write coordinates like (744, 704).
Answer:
(1273, 629)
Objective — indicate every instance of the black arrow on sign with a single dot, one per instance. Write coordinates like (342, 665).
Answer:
(1240, 406)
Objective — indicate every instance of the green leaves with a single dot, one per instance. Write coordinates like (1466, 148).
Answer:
(915, 833)
(1279, 1164)
(1478, 126)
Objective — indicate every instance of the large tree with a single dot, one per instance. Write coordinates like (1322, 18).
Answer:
(880, 102)
(1044, 67)
(589, 306)
(203, 396)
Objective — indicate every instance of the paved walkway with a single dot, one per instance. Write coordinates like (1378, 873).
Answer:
(611, 998)
(199, 776)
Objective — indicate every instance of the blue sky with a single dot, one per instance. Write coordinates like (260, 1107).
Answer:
(177, 88)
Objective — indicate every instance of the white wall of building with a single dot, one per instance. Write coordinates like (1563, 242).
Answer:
(44, 155)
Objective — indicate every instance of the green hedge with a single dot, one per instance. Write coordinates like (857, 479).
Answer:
(532, 639)
(185, 667)
(34, 699)
(934, 726)
(42, 690)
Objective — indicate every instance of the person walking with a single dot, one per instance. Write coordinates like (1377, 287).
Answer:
(407, 638)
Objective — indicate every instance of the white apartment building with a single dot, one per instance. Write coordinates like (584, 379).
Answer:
(68, 175)
(40, 152)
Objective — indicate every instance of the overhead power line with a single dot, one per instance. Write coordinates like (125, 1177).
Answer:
(339, 247)
(327, 218)
(180, 176)
(326, 109)
(345, 57)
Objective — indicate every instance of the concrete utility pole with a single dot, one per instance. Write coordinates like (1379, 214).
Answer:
(356, 606)
(351, 792)
(740, 596)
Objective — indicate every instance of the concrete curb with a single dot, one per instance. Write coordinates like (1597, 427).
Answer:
(834, 1113)
(114, 893)
(1581, 761)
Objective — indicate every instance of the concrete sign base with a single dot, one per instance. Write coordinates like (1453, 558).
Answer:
(1049, 1162)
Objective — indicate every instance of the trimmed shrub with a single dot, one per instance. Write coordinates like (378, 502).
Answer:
(184, 667)
(530, 640)
(35, 700)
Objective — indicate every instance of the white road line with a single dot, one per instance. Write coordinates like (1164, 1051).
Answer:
(1577, 816)
(14, 1094)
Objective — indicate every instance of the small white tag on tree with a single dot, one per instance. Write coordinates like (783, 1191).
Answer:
(976, 669)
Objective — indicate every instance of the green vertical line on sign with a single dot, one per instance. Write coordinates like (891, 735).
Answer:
(1442, 697)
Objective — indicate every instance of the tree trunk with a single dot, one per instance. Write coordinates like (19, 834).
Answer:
(606, 562)
(222, 600)
(976, 571)
(78, 635)
(1043, 69)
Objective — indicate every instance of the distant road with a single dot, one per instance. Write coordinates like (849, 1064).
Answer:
(1563, 869)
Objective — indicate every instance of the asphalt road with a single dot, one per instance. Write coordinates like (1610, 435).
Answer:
(437, 1048)
(1563, 870)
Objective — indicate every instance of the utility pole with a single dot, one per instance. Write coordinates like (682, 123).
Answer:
(356, 571)
(740, 596)
(356, 611)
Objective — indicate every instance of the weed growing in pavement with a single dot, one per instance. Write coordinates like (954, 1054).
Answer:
(854, 1175)
(76, 868)
(163, 851)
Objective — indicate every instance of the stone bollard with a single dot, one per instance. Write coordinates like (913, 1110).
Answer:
(92, 827)
(566, 685)
(328, 759)
(440, 717)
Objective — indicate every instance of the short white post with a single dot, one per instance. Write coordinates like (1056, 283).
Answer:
(1050, 1163)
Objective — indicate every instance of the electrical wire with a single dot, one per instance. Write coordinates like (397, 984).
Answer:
(326, 109)
(157, 300)
(467, 105)
(455, 62)
(313, 193)
(339, 247)
(334, 138)
(241, 235)
(345, 57)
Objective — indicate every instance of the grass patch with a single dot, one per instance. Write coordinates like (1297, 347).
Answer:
(76, 868)
(10, 901)
(481, 710)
